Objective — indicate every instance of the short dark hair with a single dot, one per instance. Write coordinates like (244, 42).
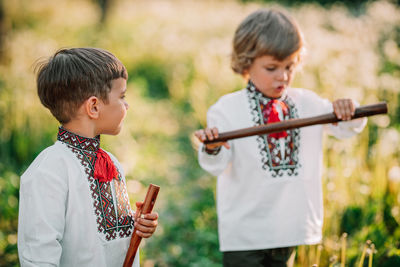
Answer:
(70, 76)
(265, 32)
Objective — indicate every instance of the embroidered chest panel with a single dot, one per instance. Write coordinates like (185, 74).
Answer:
(279, 151)
(110, 199)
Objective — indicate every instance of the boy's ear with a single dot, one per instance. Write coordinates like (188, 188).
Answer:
(92, 107)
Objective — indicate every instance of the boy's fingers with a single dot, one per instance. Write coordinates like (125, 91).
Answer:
(205, 134)
(349, 108)
(352, 107)
(209, 134)
(336, 109)
(150, 216)
(146, 226)
(145, 229)
(215, 132)
(147, 223)
(344, 108)
(143, 235)
(348, 112)
(200, 134)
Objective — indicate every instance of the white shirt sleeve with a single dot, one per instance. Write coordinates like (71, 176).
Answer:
(42, 208)
(216, 164)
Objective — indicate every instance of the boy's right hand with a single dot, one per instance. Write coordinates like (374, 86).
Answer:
(145, 224)
(210, 134)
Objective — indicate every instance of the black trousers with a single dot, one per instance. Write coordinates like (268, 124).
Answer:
(277, 257)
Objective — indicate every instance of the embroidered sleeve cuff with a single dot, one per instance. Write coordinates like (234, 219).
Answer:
(214, 151)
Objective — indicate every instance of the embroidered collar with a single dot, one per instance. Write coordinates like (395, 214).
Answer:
(263, 98)
(77, 141)
(110, 201)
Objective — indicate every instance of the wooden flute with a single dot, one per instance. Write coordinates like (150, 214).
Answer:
(148, 205)
(362, 111)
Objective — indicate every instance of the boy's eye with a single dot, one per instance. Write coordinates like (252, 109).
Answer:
(123, 97)
(270, 68)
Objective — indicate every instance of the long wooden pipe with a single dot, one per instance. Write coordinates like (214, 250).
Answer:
(148, 205)
(362, 111)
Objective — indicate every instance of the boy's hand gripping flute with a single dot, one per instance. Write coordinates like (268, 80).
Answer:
(148, 205)
(362, 111)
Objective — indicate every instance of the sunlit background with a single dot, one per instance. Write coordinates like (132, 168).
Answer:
(177, 56)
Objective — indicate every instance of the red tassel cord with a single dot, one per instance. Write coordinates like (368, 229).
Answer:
(274, 110)
(104, 169)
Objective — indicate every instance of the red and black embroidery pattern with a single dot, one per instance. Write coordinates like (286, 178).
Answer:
(279, 151)
(112, 222)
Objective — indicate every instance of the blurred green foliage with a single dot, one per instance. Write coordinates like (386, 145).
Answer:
(177, 55)
(154, 77)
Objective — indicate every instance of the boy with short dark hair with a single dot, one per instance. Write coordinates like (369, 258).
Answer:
(269, 193)
(74, 208)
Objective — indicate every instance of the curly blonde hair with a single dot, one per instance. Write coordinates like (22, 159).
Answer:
(265, 32)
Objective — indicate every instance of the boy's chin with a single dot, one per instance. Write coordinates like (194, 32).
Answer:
(278, 95)
(114, 132)
(117, 131)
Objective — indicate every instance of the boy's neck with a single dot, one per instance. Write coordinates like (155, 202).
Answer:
(80, 127)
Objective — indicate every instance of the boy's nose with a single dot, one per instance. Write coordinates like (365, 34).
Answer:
(283, 75)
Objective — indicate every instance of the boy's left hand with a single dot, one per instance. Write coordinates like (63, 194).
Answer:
(344, 109)
(145, 224)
